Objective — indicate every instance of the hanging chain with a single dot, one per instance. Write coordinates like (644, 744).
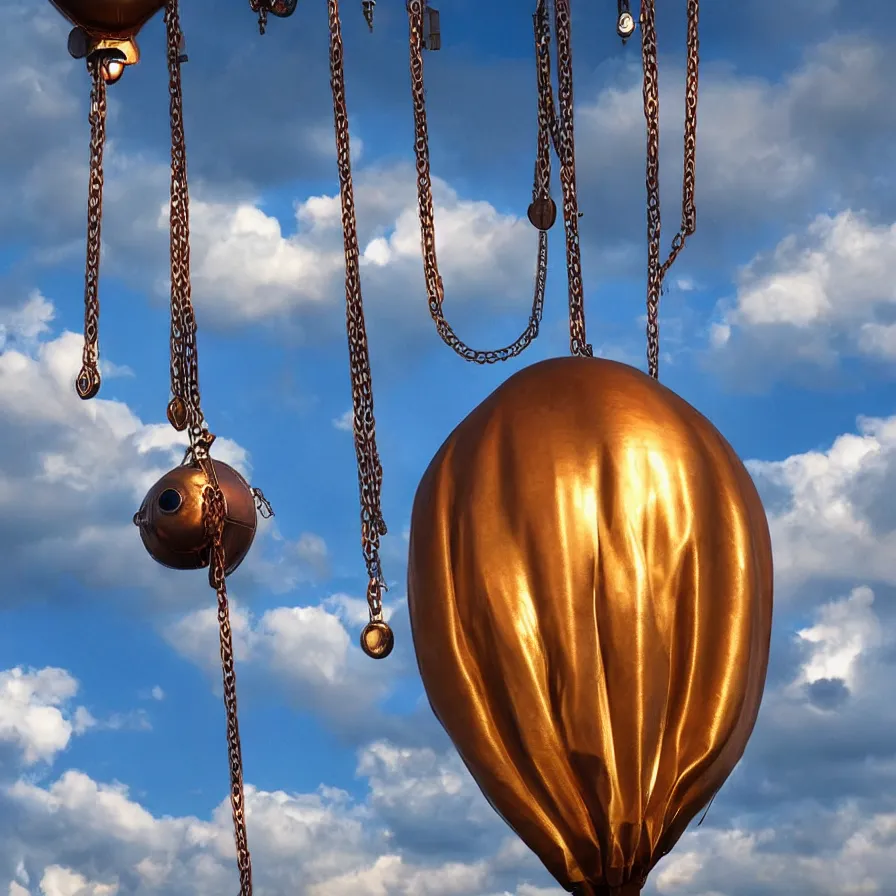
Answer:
(656, 272)
(185, 412)
(213, 513)
(546, 104)
(434, 285)
(370, 470)
(547, 117)
(578, 344)
(185, 408)
(88, 382)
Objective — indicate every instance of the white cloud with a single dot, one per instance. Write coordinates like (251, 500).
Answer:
(36, 712)
(844, 631)
(829, 511)
(59, 881)
(27, 322)
(820, 295)
(304, 844)
(307, 653)
(326, 842)
(245, 268)
(72, 473)
(345, 422)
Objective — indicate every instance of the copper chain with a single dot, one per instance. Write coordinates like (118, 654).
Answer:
(185, 412)
(546, 103)
(656, 272)
(370, 470)
(213, 512)
(88, 382)
(578, 344)
(434, 285)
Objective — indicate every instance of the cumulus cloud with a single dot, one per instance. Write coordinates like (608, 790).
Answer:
(37, 717)
(767, 150)
(309, 654)
(94, 464)
(312, 844)
(821, 296)
(329, 842)
(829, 511)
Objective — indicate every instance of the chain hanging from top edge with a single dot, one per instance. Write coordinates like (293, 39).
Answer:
(656, 272)
(546, 127)
(370, 470)
(185, 412)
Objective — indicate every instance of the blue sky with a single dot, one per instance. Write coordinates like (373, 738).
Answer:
(780, 325)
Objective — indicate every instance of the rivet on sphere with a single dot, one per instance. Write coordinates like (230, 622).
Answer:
(377, 639)
(543, 213)
(171, 522)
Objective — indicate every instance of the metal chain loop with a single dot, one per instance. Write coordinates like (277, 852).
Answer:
(185, 409)
(370, 470)
(547, 110)
(578, 344)
(656, 272)
(185, 412)
(434, 285)
(88, 381)
(213, 513)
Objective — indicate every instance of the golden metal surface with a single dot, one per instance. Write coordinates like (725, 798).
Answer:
(175, 533)
(590, 594)
(377, 639)
(109, 19)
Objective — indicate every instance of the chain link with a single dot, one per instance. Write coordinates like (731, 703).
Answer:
(185, 412)
(88, 381)
(546, 103)
(213, 514)
(656, 272)
(578, 344)
(434, 284)
(185, 409)
(370, 470)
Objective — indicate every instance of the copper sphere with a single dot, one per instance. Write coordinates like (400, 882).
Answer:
(109, 19)
(543, 213)
(171, 524)
(377, 639)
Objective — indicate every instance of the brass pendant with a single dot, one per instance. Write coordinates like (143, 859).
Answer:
(543, 213)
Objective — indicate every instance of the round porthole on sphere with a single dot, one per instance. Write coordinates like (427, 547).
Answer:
(170, 501)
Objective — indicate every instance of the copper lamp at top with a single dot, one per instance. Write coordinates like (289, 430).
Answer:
(108, 27)
(109, 19)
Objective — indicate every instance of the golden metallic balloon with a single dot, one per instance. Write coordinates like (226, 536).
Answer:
(117, 20)
(171, 522)
(590, 595)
